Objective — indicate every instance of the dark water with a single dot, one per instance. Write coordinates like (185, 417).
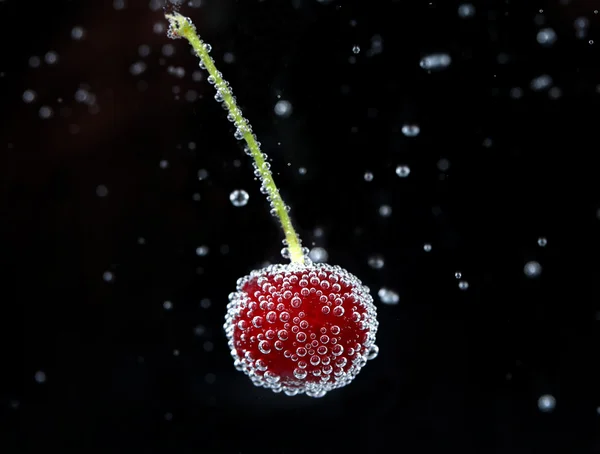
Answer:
(107, 125)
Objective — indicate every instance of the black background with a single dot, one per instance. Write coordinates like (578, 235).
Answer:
(458, 370)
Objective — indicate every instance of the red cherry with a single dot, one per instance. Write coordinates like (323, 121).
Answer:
(301, 328)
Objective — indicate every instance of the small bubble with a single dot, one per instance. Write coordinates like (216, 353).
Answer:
(546, 37)
(368, 176)
(202, 251)
(376, 261)
(385, 211)
(101, 191)
(108, 276)
(435, 62)
(167, 305)
(40, 376)
(239, 198)
(466, 10)
(318, 255)
(356, 49)
(427, 247)
(202, 174)
(532, 269)
(51, 57)
(546, 403)
(411, 130)
(542, 241)
(77, 33)
(46, 112)
(283, 108)
(388, 296)
(29, 96)
(463, 285)
(402, 171)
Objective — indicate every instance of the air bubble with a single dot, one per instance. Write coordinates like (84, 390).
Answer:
(388, 296)
(546, 403)
(411, 130)
(283, 108)
(402, 171)
(466, 10)
(239, 198)
(532, 269)
(435, 62)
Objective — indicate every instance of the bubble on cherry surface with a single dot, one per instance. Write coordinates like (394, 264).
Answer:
(301, 328)
(239, 198)
(532, 269)
(411, 130)
(403, 171)
(388, 296)
(546, 403)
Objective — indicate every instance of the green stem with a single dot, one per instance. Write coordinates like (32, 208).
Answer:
(182, 27)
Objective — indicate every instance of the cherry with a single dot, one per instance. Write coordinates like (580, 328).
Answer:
(301, 328)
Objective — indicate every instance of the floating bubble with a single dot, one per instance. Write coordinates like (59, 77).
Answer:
(283, 108)
(376, 261)
(388, 296)
(532, 269)
(546, 403)
(466, 10)
(318, 255)
(40, 376)
(402, 171)
(435, 62)
(385, 211)
(202, 251)
(101, 190)
(29, 96)
(546, 37)
(542, 241)
(411, 130)
(239, 198)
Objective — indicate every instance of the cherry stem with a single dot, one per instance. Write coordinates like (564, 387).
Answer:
(182, 27)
